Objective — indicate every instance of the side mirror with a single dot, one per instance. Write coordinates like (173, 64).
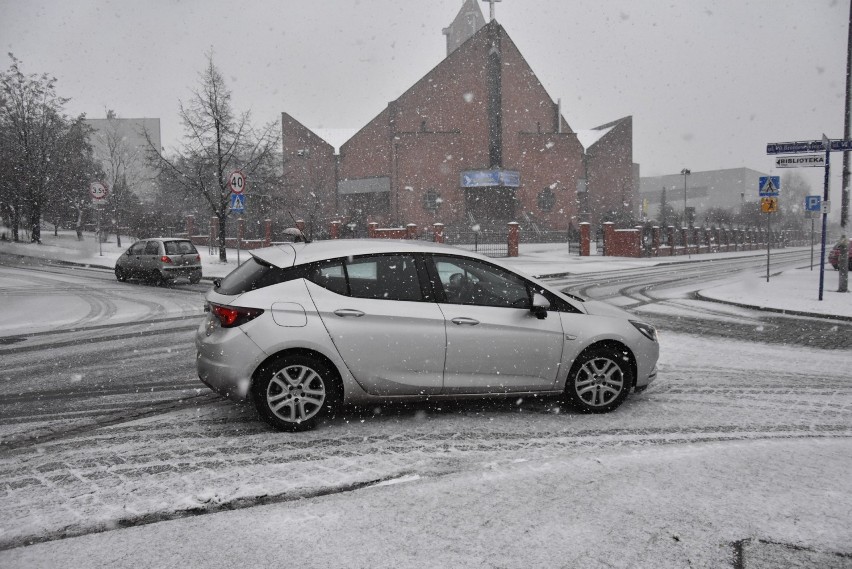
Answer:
(540, 306)
(216, 283)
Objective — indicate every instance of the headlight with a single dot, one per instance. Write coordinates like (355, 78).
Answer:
(647, 330)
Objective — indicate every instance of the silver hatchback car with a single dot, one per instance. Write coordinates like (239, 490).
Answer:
(302, 328)
(160, 260)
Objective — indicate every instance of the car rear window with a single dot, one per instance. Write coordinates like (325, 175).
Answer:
(180, 248)
(255, 274)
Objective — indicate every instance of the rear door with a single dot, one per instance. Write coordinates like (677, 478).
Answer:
(383, 322)
(494, 343)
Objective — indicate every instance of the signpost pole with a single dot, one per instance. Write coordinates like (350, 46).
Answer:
(812, 242)
(824, 215)
(100, 244)
(768, 241)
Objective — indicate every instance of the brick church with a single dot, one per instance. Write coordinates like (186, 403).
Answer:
(476, 141)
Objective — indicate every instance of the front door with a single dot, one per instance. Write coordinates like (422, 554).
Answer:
(494, 342)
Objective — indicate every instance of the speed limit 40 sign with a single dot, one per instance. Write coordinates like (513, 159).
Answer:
(237, 182)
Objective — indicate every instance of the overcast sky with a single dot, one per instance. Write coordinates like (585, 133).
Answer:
(708, 83)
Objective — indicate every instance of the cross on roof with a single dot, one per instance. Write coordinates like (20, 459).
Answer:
(491, 10)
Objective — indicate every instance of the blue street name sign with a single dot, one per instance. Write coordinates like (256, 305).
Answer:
(238, 203)
(769, 186)
(794, 147)
(807, 146)
(813, 203)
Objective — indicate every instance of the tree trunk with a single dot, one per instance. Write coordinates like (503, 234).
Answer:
(223, 256)
(79, 225)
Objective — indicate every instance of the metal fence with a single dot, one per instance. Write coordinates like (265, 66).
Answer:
(489, 243)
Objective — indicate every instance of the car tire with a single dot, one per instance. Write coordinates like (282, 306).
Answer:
(599, 380)
(195, 278)
(120, 275)
(292, 393)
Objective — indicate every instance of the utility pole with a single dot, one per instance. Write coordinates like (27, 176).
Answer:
(844, 193)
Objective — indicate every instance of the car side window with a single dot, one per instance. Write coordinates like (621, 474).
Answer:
(384, 277)
(138, 248)
(153, 248)
(469, 281)
(331, 276)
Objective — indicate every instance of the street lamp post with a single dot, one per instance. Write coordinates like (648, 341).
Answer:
(685, 172)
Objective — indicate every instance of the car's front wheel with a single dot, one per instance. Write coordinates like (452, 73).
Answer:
(120, 275)
(599, 380)
(294, 392)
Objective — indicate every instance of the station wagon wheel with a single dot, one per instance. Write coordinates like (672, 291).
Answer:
(120, 274)
(293, 392)
(599, 380)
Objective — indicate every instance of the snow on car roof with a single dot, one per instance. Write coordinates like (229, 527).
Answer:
(289, 254)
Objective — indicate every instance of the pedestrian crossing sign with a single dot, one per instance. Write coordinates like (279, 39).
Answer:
(238, 203)
(770, 186)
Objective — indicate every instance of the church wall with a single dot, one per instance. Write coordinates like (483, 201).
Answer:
(549, 161)
(610, 166)
(309, 166)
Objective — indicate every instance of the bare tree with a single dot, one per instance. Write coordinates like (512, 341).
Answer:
(216, 142)
(33, 131)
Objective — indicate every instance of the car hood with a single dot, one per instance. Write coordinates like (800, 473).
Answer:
(599, 308)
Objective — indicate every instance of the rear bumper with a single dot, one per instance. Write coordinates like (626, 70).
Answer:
(226, 359)
(176, 272)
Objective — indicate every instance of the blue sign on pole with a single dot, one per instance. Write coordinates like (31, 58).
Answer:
(769, 186)
(813, 203)
(238, 203)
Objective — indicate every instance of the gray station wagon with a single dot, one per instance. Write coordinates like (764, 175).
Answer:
(160, 260)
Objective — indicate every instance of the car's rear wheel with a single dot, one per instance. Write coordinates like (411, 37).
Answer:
(599, 380)
(294, 392)
(120, 275)
(195, 278)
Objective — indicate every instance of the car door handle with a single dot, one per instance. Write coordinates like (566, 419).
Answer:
(462, 321)
(344, 312)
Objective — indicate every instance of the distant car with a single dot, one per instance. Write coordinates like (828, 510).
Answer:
(302, 328)
(160, 260)
(834, 256)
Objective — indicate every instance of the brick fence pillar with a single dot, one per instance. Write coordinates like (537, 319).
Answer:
(267, 232)
(514, 238)
(684, 235)
(371, 229)
(190, 226)
(438, 232)
(608, 241)
(671, 238)
(585, 239)
(655, 241)
(411, 231)
(334, 229)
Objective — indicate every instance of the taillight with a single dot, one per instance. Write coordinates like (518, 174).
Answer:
(198, 258)
(166, 259)
(230, 316)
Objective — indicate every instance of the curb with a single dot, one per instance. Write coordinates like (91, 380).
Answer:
(698, 296)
